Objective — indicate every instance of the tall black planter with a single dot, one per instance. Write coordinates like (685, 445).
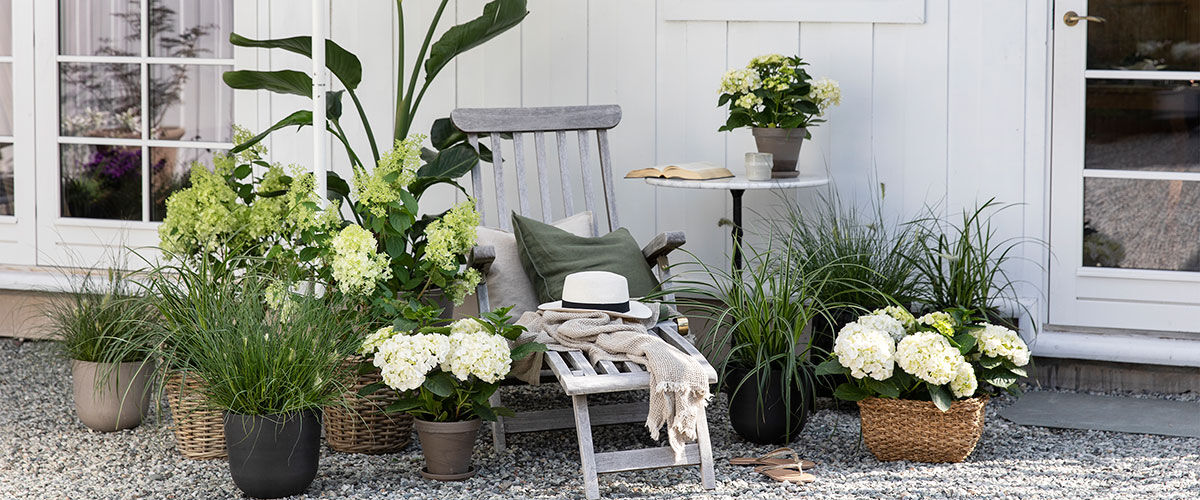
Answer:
(768, 423)
(273, 456)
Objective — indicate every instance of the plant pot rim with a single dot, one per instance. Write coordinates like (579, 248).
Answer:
(111, 363)
(463, 423)
(267, 415)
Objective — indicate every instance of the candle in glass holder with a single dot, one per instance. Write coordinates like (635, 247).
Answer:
(758, 166)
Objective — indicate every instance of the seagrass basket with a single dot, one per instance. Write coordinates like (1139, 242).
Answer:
(199, 431)
(902, 429)
(361, 426)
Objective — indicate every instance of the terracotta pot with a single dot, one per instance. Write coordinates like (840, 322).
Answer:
(447, 447)
(273, 456)
(784, 144)
(111, 398)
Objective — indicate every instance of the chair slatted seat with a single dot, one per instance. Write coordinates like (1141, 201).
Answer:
(577, 376)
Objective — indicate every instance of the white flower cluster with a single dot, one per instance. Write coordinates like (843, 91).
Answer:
(356, 264)
(901, 314)
(929, 357)
(940, 321)
(879, 320)
(963, 384)
(825, 93)
(1000, 342)
(405, 359)
(867, 352)
(740, 81)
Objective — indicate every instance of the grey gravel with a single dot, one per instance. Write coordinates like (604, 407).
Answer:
(46, 453)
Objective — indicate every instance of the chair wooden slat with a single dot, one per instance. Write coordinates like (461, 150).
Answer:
(632, 367)
(564, 172)
(477, 181)
(608, 367)
(585, 165)
(606, 177)
(505, 219)
(581, 362)
(519, 165)
(543, 173)
(547, 119)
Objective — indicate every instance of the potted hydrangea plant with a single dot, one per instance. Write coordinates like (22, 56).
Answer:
(917, 380)
(446, 375)
(777, 98)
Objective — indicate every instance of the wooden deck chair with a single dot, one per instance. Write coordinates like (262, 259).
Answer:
(577, 377)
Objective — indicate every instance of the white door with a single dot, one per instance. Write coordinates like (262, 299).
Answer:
(129, 96)
(1125, 173)
(18, 244)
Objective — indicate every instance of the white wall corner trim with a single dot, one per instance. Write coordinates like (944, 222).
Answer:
(1120, 348)
(808, 11)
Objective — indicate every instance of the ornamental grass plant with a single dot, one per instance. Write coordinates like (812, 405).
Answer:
(104, 319)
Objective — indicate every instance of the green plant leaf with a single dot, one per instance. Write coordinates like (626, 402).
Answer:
(280, 82)
(498, 16)
(504, 412)
(830, 367)
(403, 405)
(444, 134)
(485, 391)
(336, 186)
(440, 384)
(965, 342)
(990, 362)
(400, 222)
(885, 388)
(308, 253)
(940, 396)
(242, 171)
(333, 104)
(483, 411)
(999, 376)
(341, 62)
(450, 163)
(299, 119)
(370, 389)
(850, 392)
(523, 350)
(1017, 370)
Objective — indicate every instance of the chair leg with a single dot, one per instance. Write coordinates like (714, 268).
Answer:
(707, 475)
(587, 457)
(498, 436)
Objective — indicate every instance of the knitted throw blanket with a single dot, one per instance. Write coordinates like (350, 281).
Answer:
(678, 383)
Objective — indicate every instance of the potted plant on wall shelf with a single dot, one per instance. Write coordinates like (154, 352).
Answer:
(917, 380)
(270, 364)
(777, 98)
(102, 327)
(446, 375)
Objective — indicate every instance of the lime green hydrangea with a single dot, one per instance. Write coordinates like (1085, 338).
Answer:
(826, 93)
(464, 286)
(767, 60)
(357, 266)
(740, 81)
(452, 235)
(394, 172)
(940, 321)
(199, 217)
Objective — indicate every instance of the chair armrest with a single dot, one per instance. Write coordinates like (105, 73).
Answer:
(481, 258)
(663, 244)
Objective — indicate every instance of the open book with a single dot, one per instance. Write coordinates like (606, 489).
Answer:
(699, 171)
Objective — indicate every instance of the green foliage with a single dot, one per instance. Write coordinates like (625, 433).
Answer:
(102, 320)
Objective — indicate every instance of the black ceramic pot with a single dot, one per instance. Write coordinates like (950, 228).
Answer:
(762, 417)
(273, 456)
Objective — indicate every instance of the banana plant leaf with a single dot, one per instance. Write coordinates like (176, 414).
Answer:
(341, 62)
(280, 82)
(498, 16)
(333, 109)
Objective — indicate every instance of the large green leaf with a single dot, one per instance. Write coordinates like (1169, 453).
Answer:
(440, 384)
(341, 62)
(940, 396)
(498, 16)
(299, 119)
(884, 388)
(850, 392)
(280, 82)
(830, 367)
(450, 163)
(523, 350)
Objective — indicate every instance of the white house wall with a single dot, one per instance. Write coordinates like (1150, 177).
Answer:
(946, 112)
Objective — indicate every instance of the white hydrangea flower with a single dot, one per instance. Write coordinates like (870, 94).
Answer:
(748, 101)
(940, 321)
(465, 326)
(374, 340)
(867, 352)
(356, 264)
(765, 59)
(929, 357)
(883, 322)
(481, 354)
(740, 81)
(826, 93)
(405, 360)
(963, 384)
(1000, 342)
(901, 314)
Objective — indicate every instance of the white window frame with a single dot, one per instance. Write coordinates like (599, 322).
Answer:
(69, 241)
(18, 244)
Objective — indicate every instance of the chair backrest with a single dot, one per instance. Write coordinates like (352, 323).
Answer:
(498, 124)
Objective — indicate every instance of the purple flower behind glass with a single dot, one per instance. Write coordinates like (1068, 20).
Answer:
(114, 162)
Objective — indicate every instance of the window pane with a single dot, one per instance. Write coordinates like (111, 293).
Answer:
(101, 182)
(100, 100)
(1143, 125)
(100, 27)
(1141, 224)
(6, 179)
(6, 99)
(6, 27)
(169, 172)
(1144, 35)
(190, 103)
(191, 28)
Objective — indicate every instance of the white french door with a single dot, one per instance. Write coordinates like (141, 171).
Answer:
(1125, 165)
(129, 96)
(18, 244)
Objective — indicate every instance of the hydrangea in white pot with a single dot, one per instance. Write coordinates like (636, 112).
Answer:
(777, 98)
(918, 380)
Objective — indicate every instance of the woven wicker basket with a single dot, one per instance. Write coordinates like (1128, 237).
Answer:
(362, 426)
(901, 429)
(199, 431)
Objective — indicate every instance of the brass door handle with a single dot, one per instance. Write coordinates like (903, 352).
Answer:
(1071, 18)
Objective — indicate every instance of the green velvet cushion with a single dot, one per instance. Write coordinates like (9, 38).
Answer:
(549, 254)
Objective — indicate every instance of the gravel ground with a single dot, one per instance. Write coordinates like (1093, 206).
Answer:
(46, 453)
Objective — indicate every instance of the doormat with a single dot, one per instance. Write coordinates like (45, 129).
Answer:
(1106, 413)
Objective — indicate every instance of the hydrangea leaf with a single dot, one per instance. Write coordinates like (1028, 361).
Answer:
(940, 396)
(830, 367)
(850, 392)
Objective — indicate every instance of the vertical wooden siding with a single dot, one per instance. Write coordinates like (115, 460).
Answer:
(934, 112)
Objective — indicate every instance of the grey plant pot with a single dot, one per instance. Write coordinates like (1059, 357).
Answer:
(117, 403)
(784, 145)
(447, 447)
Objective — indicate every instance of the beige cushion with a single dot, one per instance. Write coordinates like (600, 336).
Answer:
(507, 283)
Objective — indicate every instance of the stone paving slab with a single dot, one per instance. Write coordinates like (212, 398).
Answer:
(1106, 413)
